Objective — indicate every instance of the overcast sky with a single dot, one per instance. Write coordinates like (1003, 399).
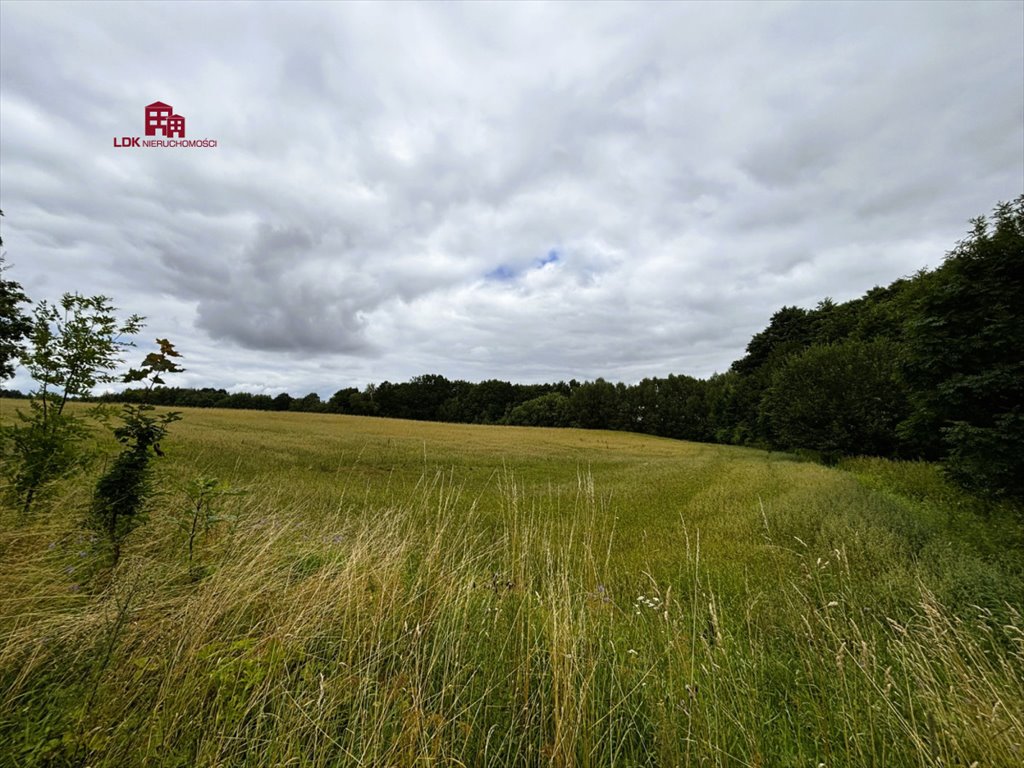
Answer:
(516, 191)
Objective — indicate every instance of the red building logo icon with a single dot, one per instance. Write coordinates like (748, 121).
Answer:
(160, 119)
(169, 127)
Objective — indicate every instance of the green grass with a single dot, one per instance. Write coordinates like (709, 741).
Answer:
(392, 593)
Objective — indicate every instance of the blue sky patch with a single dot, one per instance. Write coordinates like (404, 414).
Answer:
(551, 258)
(505, 273)
(501, 273)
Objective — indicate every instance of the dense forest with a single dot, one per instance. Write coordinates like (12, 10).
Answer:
(931, 366)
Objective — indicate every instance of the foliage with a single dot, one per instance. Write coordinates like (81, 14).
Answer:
(42, 448)
(282, 402)
(76, 345)
(674, 407)
(550, 410)
(838, 399)
(595, 405)
(310, 403)
(72, 348)
(988, 459)
(202, 513)
(790, 330)
(122, 492)
(15, 325)
(488, 402)
(966, 360)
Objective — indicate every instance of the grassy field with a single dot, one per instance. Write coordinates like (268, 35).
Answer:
(387, 593)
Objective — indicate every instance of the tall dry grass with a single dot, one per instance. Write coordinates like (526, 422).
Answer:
(432, 632)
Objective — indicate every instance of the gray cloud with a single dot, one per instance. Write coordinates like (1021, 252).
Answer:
(278, 296)
(389, 179)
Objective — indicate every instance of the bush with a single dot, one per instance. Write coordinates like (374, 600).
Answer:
(550, 410)
(838, 399)
(121, 494)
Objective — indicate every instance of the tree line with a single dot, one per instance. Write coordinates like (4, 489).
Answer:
(930, 366)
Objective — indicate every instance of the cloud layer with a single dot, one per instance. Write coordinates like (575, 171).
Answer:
(520, 191)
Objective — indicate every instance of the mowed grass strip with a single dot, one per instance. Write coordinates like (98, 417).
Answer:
(398, 593)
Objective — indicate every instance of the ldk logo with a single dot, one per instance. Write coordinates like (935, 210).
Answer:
(160, 118)
(161, 121)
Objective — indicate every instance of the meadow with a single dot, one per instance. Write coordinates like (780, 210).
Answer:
(375, 592)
